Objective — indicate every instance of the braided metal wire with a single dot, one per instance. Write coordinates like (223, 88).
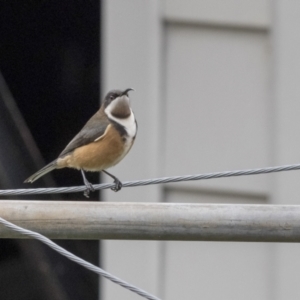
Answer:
(75, 189)
(77, 259)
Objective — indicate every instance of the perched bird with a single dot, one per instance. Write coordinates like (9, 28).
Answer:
(102, 143)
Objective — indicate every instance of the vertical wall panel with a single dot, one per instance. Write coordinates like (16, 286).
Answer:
(217, 103)
(217, 118)
(285, 189)
(131, 51)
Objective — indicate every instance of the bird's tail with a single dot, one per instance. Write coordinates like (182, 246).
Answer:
(42, 172)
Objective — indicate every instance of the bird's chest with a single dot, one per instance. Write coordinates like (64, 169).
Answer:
(128, 142)
(109, 150)
(127, 134)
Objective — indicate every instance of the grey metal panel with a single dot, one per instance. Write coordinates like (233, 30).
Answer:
(217, 104)
(218, 118)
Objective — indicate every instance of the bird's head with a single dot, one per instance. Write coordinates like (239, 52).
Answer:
(117, 103)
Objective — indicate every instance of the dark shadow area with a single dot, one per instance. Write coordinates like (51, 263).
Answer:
(49, 58)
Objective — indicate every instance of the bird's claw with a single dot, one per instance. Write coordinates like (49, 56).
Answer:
(89, 188)
(118, 185)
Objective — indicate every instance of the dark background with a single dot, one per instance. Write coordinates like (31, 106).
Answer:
(49, 57)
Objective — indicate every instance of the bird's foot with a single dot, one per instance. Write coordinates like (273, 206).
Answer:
(117, 182)
(118, 185)
(89, 188)
(88, 185)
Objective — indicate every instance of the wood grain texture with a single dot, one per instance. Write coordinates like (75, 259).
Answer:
(154, 221)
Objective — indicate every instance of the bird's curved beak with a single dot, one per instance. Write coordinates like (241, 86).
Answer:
(126, 91)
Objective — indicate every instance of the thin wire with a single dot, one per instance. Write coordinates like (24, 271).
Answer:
(75, 189)
(77, 259)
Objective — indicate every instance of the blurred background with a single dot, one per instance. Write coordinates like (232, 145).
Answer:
(49, 87)
(216, 88)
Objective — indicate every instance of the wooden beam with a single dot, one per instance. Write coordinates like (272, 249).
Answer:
(153, 221)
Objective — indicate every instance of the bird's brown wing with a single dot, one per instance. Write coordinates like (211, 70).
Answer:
(92, 130)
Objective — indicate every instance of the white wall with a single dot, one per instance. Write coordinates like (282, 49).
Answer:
(286, 93)
(216, 89)
(131, 49)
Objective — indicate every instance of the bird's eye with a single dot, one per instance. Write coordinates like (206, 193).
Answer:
(111, 97)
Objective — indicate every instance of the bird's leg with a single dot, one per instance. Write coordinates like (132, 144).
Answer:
(118, 183)
(89, 186)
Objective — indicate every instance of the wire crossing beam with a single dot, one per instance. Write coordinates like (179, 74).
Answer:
(153, 221)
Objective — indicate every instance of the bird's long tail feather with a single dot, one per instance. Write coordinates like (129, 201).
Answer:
(48, 168)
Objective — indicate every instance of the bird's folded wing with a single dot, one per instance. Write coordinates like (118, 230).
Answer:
(89, 133)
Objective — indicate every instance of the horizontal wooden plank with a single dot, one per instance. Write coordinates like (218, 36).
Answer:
(154, 221)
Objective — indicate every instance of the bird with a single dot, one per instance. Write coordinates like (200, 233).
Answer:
(102, 142)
